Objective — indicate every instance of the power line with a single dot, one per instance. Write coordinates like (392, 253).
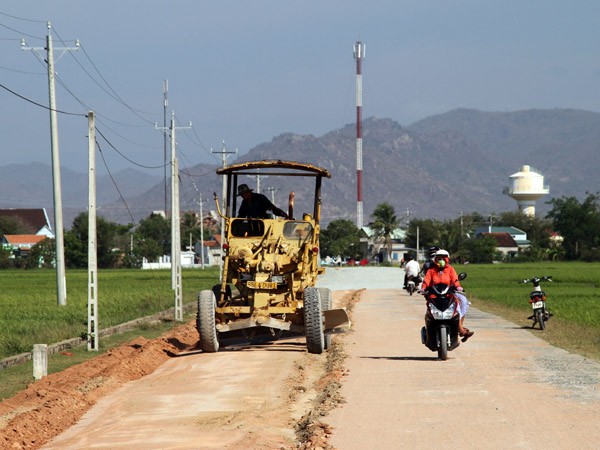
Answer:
(39, 104)
(125, 157)
(114, 182)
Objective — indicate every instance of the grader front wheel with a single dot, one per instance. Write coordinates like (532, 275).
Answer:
(205, 322)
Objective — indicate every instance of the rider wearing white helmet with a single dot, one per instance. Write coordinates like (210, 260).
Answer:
(443, 272)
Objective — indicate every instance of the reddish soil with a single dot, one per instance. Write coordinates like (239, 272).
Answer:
(51, 405)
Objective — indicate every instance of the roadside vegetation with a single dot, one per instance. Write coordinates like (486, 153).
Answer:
(29, 311)
(573, 297)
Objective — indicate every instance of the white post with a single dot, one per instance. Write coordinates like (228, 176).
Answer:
(40, 361)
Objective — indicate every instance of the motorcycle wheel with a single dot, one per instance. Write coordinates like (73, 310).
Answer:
(443, 348)
(539, 318)
(411, 288)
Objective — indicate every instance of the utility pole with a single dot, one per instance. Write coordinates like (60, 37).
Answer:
(201, 232)
(258, 178)
(165, 140)
(272, 191)
(175, 225)
(224, 152)
(61, 282)
(92, 336)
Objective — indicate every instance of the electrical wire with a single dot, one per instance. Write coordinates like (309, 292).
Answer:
(125, 157)
(39, 104)
(114, 182)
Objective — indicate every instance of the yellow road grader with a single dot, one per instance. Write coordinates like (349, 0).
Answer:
(270, 267)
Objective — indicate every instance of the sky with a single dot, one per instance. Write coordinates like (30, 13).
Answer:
(243, 72)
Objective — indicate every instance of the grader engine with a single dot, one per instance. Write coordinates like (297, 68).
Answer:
(270, 267)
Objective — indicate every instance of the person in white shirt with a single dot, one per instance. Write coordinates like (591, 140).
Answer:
(411, 269)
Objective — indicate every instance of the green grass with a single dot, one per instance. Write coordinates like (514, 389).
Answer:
(573, 297)
(29, 311)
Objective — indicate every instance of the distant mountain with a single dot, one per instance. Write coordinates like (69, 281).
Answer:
(438, 167)
(30, 186)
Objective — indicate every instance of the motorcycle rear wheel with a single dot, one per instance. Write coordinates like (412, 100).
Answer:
(539, 318)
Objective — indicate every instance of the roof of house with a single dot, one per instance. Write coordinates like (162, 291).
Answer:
(32, 219)
(510, 230)
(503, 239)
(23, 239)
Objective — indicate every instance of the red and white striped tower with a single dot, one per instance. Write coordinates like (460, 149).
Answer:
(359, 54)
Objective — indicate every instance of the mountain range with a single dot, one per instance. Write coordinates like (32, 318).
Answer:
(439, 167)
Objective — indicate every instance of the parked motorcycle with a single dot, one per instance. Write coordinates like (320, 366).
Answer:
(537, 299)
(440, 333)
(412, 284)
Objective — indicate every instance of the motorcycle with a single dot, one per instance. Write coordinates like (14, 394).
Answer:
(440, 333)
(537, 299)
(412, 284)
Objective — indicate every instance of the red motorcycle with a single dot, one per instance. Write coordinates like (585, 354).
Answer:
(440, 333)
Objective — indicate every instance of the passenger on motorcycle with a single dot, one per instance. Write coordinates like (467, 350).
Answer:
(442, 272)
(411, 269)
(429, 260)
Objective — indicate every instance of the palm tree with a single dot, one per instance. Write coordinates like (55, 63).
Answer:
(384, 225)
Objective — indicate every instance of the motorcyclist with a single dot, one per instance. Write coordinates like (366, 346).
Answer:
(411, 270)
(429, 260)
(442, 272)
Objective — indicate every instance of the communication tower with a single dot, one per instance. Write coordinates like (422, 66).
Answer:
(359, 54)
(526, 187)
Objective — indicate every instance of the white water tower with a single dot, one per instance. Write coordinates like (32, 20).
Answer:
(526, 187)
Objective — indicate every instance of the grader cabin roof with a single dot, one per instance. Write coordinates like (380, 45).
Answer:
(287, 168)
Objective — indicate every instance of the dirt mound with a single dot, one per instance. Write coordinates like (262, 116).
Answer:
(49, 406)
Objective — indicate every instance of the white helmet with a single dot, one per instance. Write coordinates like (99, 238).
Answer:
(441, 253)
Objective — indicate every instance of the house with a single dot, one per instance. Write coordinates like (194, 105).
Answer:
(21, 243)
(212, 250)
(505, 244)
(519, 236)
(34, 221)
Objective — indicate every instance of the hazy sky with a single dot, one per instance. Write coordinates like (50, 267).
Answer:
(246, 71)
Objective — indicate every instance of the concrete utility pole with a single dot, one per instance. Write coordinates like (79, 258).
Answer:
(201, 232)
(165, 140)
(175, 225)
(272, 191)
(224, 152)
(92, 336)
(61, 282)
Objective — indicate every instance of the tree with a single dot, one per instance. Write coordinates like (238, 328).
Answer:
(43, 254)
(157, 229)
(428, 231)
(578, 223)
(478, 250)
(384, 225)
(76, 242)
(12, 225)
(341, 237)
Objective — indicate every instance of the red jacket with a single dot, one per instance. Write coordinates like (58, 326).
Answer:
(434, 276)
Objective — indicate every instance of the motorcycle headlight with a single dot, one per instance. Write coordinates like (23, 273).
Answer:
(442, 315)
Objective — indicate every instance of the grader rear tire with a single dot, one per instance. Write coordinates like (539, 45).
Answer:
(326, 304)
(313, 321)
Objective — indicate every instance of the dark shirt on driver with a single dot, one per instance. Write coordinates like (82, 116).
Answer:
(257, 206)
